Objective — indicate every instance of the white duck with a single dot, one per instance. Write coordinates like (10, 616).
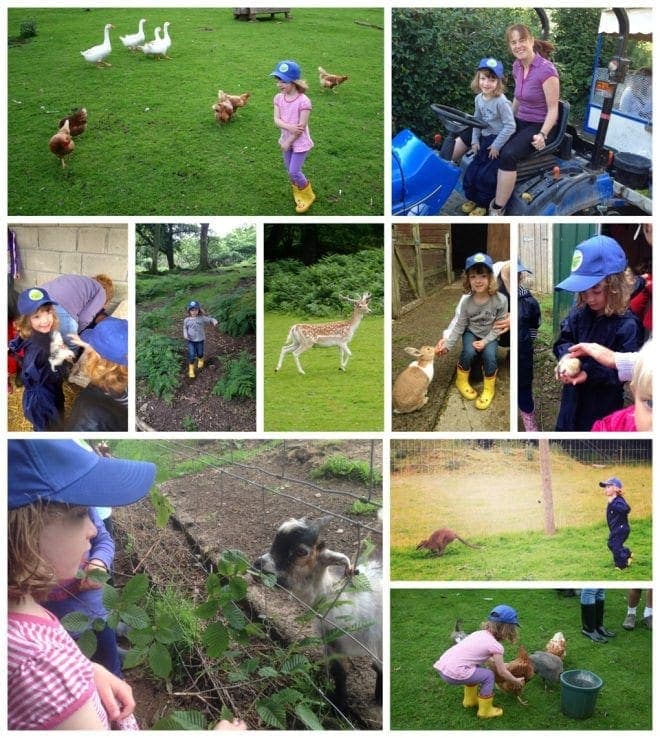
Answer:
(134, 39)
(97, 54)
(157, 47)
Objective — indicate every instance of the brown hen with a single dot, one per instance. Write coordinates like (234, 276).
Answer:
(521, 666)
(61, 144)
(77, 121)
(557, 645)
(331, 80)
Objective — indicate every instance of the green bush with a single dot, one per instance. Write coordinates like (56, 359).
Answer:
(239, 379)
(28, 29)
(159, 363)
(345, 468)
(236, 313)
(292, 287)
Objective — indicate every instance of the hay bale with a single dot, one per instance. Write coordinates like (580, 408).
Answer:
(16, 421)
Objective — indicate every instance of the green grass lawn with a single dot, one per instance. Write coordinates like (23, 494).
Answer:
(152, 145)
(324, 398)
(572, 554)
(422, 620)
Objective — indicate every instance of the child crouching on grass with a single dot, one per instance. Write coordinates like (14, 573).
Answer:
(463, 663)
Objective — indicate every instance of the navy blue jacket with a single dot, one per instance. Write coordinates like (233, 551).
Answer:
(617, 514)
(43, 397)
(602, 393)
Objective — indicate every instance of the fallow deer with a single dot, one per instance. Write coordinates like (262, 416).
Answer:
(303, 336)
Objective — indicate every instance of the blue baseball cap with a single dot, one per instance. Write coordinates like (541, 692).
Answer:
(593, 260)
(492, 65)
(503, 614)
(522, 268)
(69, 472)
(477, 259)
(30, 300)
(109, 339)
(193, 304)
(287, 71)
(613, 481)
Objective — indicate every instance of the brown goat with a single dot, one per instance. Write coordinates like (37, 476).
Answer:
(440, 539)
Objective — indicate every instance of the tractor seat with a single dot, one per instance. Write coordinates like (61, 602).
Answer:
(559, 145)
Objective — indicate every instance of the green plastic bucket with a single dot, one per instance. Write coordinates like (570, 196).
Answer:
(579, 691)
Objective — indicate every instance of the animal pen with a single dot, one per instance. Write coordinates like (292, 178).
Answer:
(228, 499)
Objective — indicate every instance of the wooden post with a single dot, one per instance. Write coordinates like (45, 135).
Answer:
(546, 485)
(419, 262)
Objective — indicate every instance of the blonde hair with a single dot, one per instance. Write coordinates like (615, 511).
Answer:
(108, 286)
(106, 375)
(24, 327)
(641, 382)
(501, 631)
(618, 288)
(480, 269)
(301, 85)
(474, 85)
(28, 572)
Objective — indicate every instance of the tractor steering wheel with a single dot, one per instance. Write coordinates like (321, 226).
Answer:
(457, 116)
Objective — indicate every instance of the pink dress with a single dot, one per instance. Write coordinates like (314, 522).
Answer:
(620, 421)
(289, 111)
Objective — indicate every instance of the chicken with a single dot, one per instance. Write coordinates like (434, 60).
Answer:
(61, 144)
(568, 367)
(548, 666)
(237, 101)
(331, 80)
(458, 634)
(77, 121)
(521, 666)
(223, 110)
(557, 645)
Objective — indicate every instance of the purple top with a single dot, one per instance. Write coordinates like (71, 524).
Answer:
(82, 297)
(532, 106)
(460, 661)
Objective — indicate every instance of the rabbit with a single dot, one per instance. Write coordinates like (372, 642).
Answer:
(409, 391)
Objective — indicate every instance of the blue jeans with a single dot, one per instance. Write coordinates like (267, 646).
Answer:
(469, 354)
(195, 348)
(589, 596)
(68, 324)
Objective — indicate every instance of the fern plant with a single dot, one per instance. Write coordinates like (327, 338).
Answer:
(239, 379)
(158, 363)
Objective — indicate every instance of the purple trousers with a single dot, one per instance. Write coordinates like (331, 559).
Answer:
(485, 678)
(293, 161)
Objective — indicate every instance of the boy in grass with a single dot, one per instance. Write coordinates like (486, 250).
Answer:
(617, 521)
(463, 663)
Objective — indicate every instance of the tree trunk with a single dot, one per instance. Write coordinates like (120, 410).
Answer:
(546, 486)
(204, 248)
(157, 246)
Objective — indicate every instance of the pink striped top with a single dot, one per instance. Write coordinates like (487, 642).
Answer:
(48, 677)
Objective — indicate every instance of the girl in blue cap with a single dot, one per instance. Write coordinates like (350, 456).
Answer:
(194, 334)
(463, 664)
(481, 306)
(600, 315)
(42, 371)
(492, 107)
(617, 521)
(291, 113)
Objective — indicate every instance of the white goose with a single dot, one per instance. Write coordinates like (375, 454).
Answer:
(97, 54)
(134, 39)
(166, 38)
(157, 47)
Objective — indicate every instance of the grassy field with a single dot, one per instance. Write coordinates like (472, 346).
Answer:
(505, 517)
(324, 398)
(421, 621)
(152, 145)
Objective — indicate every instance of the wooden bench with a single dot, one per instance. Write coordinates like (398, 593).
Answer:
(252, 13)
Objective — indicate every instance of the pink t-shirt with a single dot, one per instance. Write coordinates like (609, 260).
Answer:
(532, 105)
(49, 679)
(289, 112)
(460, 661)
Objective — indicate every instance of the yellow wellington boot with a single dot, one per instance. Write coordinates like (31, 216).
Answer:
(200, 363)
(304, 198)
(191, 371)
(470, 695)
(486, 709)
(487, 394)
(463, 384)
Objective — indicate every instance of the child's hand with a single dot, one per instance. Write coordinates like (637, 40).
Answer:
(475, 147)
(479, 345)
(93, 565)
(493, 153)
(116, 696)
(235, 724)
(441, 347)
(215, 322)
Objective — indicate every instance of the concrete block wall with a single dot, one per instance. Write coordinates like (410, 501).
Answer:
(48, 250)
